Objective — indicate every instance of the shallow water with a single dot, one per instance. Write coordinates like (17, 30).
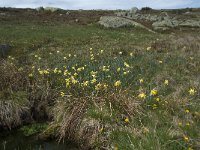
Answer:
(15, 140)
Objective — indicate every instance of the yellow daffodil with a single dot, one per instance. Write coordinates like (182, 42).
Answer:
(148, 48)
(192, 91)
(190, 148)
(145, 130)
(126, 64)
(141, 80)
(30, 75)
(62, 94)
(142, 95)
(187, 110)
(157, 99)
(154, 92)
(126, 120)
(180, 124)
(118, 69)
(154, 106)
(93, 80)
(166, 82)
(117, 83)
(85, 83)
(186, 138)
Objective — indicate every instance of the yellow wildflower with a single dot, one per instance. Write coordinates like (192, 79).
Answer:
(126, 120)
(117, 83)
(118, 69)
(142, 95)
(186, 138)
(131, 54)
(30, 75)
(120, 53)
(141, 80)
(154, 106)
(85, 83)
(180, 124)
(157, 99)
(148, 48)
(187, 110)
(190, 148)
(145, 130)
(93, 81)
(62, 94)
(188, 124)
(65, 58)
(70, 55)
(192, 91)
(74, 81)
(126, 64)
(102, 51)
(154, 92)
(166, 82)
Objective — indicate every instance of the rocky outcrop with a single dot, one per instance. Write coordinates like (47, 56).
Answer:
(165, 24)
(117, 22)
(160, 21)
(190, 23)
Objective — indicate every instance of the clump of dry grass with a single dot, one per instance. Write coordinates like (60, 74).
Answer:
(14, 104)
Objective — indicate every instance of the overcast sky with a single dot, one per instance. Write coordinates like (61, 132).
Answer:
(100, 4)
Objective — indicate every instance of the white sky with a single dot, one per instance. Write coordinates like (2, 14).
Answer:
(100, 4)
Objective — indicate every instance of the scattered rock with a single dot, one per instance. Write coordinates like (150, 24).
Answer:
(68, 13)
(2, 14)
(77, 20)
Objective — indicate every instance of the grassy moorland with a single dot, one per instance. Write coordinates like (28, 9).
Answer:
(100, 88)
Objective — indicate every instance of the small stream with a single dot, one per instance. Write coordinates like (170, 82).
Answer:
(15, 140)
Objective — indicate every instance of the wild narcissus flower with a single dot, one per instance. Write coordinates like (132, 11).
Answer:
(118, 69)
(187, 110)
(142, 95)
(148, 48)
(166, 82)
(141, 80)
(186, 138)
(126, 64)
(117, 83)
(126, 120)
(192, 91)
(62, 94)
(154, 92)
